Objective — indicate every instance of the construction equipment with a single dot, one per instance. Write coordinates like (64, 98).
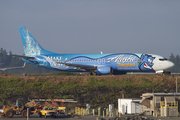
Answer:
(21, 109)
(56, 104)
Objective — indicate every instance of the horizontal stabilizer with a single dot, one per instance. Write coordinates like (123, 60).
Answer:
(21, 56)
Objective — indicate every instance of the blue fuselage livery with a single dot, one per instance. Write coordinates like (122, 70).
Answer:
(99, 64)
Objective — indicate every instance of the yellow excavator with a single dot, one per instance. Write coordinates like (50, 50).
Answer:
(21, 109)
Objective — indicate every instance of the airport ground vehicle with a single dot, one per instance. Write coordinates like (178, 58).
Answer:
(61, 111)
(21, 109)
(55, 104)
(48, 112)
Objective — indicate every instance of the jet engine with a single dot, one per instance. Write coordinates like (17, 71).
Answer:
(104, 70)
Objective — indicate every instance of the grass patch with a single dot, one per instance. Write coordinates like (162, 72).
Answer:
(95, 91)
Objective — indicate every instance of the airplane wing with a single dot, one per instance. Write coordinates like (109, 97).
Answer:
(13, 67)
(80, 66)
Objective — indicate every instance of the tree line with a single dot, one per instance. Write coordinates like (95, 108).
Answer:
(10, 61)
(176, 61)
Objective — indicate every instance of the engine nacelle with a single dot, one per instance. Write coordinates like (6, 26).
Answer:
(104, 70)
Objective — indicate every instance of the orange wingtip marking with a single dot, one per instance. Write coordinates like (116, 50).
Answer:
(26, 44)
(26, 30)
(36, 43)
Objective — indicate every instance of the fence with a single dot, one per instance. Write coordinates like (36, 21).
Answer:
(100, 112)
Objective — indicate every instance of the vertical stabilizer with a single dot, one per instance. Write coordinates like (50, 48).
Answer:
(30, 45)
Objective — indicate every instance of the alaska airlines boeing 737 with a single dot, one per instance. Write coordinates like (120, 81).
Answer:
(99, 64)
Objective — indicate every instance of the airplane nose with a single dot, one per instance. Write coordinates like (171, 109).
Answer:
(170, 64)
(163, 65)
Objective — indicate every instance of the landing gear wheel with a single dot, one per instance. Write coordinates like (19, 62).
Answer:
(93, 73)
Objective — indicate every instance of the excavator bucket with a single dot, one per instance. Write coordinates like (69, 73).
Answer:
(30, 104)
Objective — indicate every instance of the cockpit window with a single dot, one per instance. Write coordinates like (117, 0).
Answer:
(163, 59)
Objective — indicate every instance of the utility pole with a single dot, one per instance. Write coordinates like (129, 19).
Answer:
(176, 86)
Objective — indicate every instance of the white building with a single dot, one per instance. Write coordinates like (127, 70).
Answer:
(129, 106)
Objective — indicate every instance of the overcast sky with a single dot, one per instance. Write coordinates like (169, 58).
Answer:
(91, 26)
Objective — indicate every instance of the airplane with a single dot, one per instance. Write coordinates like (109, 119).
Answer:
(96, 64)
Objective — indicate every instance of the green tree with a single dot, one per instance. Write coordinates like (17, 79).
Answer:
(11, 61)
(176, 61)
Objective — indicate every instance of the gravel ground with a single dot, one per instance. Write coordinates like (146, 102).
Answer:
(90, 117)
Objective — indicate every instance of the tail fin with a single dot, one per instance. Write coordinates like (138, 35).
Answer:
(31, 46)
